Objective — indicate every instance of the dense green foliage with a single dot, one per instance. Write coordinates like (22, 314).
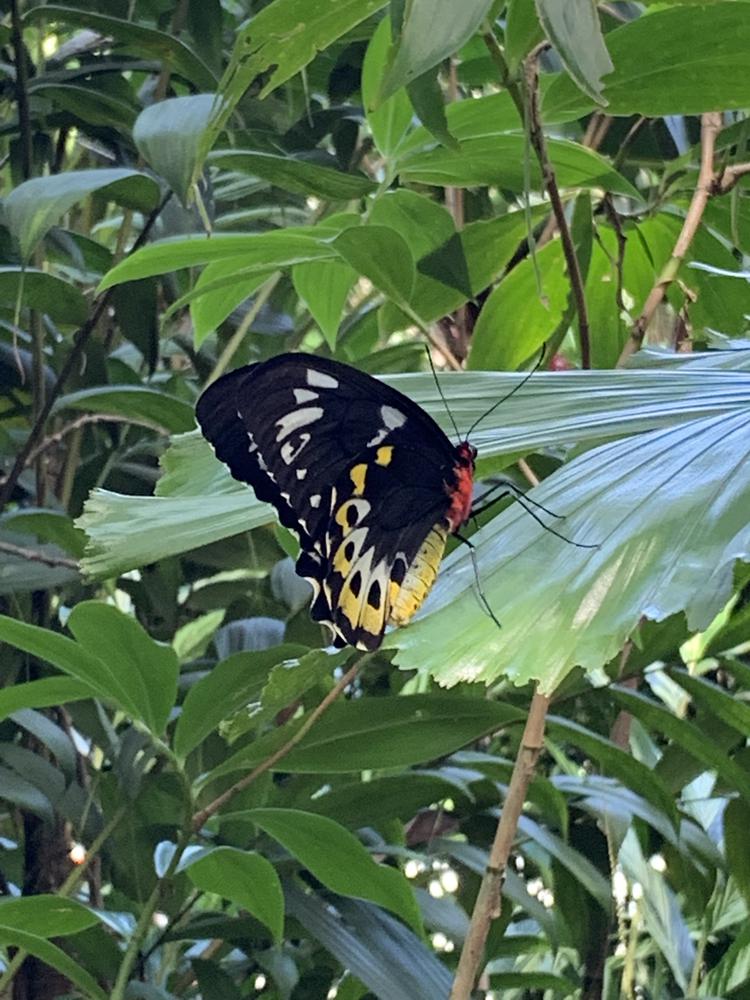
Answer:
(186, 190)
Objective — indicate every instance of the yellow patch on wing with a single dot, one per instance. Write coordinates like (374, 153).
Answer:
(384, 455)
(357, 475)
(419, 577)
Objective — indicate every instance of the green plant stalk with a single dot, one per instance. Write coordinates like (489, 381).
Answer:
(239, 334)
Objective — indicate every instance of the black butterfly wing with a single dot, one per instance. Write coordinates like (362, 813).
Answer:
(295, 428)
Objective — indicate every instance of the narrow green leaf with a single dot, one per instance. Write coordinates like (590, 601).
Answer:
(574, 30)
(221, 287)
(579, 866)
(732, 970)
(716, 700)
(134, 38)
(25, 794)
(136, 402)
(43, 693)
(335, 857)
(522, 32)
(684, 735)
(266, 251)
(148, 668)
(271, 47)
(245, 878)
(429, 34)
(389, 120)
(295, 174)
(736, 825)
(54, 957)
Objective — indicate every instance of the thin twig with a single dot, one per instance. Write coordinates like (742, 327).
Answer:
(711, 125)
(728, 177)
(34, 555)
(538, 141)
(74, 355)
(488, 902)
(213, 807)
(622, 240)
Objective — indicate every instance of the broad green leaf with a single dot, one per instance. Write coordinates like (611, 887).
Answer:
(654, 716)
(148, 668)
(592, 598)
(169, 136)
(72, 659)
(50, 954)
(498, 159)
(266, 251)
(230, 686)
(42, 694)
(32, 208)
(59, 299)
(381, 799)
(515, 321)
(337, 859)
(136, 402)
(430, 33)
(295, 174)
(87, 103)
(480, 117)
(324, 286)
(662, 69)
(389, 120)
(530, 983)
(380, 254)
(245, 878)
(388, 957)
(579, 866)
(279, 41)
(202, 503)
(426, 96)
(423, 223)
(46, 916)
(383, 732)
(574, 30)
(132, 37)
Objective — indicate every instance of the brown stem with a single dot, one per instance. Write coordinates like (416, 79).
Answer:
(488, 902)
(711, 125)
(74, 355)
(34, 555)
(539, 143)
(221, 800)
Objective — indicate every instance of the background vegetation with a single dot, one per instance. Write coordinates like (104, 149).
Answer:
(197, 799)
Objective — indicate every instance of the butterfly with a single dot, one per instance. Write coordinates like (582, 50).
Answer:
(366, 479)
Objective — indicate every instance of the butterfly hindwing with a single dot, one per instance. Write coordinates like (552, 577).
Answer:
(357, 469)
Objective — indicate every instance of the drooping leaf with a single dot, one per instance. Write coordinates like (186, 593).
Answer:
(574, 30)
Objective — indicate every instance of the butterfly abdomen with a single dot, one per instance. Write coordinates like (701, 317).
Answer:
(419, 578)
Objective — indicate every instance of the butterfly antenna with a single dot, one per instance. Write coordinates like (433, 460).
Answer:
(442, 395)
(480, 592)
(512, 392)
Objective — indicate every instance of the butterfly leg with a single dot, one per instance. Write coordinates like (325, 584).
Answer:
(480, 593)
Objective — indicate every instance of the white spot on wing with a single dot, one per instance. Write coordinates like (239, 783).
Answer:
(315, 500)
(297, 419)
(301, 473)
(392, 418)
(321, 380)
(379, 437)
(289, 452)
(305, 395)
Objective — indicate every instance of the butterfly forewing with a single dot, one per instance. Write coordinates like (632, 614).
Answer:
(358, 470)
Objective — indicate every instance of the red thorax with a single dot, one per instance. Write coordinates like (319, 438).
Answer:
(460, 490)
